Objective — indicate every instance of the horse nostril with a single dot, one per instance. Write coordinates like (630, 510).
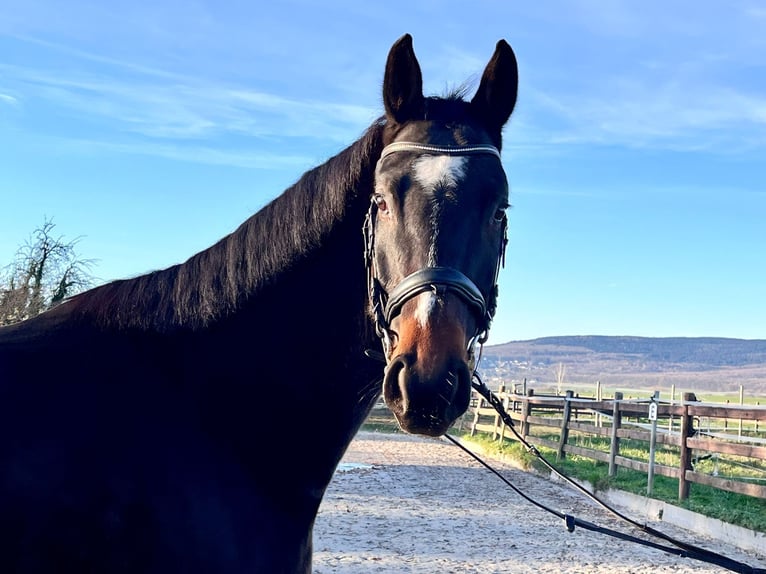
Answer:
(407, 392)
(394, 393)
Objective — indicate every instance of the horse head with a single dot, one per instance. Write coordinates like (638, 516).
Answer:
(436, 234)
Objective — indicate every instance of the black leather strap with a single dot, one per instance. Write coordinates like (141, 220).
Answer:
(432, 278)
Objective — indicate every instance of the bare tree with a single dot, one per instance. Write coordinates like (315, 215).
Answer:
(561, 372)
(45, 270)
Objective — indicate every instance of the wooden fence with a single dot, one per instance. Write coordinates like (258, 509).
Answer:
(688, 428)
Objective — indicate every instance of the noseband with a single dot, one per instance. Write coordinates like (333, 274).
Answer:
(439, 280)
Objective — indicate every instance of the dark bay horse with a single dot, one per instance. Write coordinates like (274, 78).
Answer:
(141, 422)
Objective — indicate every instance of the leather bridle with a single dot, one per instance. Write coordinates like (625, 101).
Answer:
(387, 305)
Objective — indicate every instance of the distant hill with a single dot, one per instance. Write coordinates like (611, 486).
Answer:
(704, 363)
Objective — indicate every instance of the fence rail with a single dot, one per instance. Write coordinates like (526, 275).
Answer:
(677, 426)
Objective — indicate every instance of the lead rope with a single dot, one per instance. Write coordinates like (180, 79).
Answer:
(679, 548)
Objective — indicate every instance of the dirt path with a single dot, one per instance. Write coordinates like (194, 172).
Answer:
(424, 506)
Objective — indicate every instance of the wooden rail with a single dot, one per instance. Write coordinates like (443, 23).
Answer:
(677, 426)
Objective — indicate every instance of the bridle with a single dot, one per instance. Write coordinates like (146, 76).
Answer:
(441, 280)
(386, 306)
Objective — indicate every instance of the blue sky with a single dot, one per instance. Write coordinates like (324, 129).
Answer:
(636, 154)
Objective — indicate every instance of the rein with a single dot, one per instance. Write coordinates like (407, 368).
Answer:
(386, 306)
(679, 548)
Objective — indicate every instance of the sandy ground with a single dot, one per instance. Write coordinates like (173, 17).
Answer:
(422, 505)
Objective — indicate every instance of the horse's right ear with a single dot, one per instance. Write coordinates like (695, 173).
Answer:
(403, 82)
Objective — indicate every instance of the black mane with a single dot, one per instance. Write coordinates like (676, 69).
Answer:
(217, 281)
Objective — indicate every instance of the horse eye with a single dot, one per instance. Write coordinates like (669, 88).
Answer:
(380, 202)
(499, 214)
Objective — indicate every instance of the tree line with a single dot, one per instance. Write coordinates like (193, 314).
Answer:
(45, 270)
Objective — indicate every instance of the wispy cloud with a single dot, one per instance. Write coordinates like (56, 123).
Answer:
(8, 99)
(244, 156)
(77, 54)
(663, 101)
(679, 76)
(189, 109)
(671, 116)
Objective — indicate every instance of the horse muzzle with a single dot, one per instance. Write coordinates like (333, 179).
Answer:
(426, 403)
(427, 382)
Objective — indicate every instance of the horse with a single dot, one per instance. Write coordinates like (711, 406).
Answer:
(190, 419)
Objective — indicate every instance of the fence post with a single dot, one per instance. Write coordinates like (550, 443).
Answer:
(653, 407)
(599, 397)
(672, 402)
(496, 421)
(525, 411)
(498, 435)
(687, 429)
(741, 402)
(614, 447)
(479, 404)
(507, 405)
(560, 454)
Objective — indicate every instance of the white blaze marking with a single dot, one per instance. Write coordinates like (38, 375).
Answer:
(427, 303)
(433, 172)
(439, 170)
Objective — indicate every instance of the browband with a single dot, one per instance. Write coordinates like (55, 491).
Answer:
(440, 149)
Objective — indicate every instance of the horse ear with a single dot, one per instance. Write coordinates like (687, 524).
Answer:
(496, 96)
(403, 82)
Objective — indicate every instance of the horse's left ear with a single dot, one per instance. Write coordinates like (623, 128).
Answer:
(403, 82)
(496, 97)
